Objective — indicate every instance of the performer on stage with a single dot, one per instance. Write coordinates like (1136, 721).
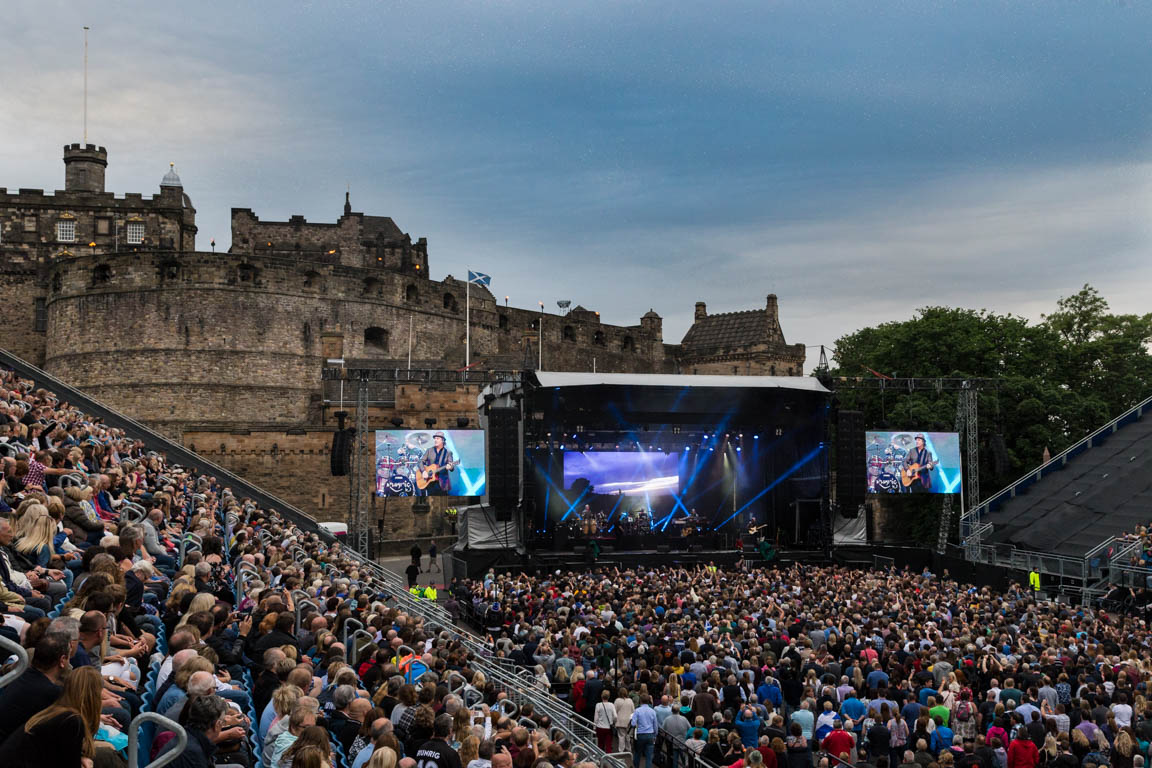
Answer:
(924, 463)
(435, 465)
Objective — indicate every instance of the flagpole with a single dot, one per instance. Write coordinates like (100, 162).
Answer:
(540, 339)
(409, 342)
(468, 322)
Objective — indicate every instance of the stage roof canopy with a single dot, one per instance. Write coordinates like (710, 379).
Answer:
(576, 379)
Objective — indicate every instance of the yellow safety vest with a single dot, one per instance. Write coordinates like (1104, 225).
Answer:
(1034, 581)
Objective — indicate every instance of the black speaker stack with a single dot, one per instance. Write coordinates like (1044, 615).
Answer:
(343, 440)
(504, 461)
(851, 462)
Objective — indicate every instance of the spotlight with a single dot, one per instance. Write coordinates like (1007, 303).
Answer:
(462, 422)
(397, 422)
(755, 437)
(430, 423)
(737, 449)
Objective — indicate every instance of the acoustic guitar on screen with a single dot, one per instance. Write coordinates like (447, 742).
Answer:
(911, 473)
(427, 475)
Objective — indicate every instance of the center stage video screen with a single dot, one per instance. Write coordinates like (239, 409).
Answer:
(907, 461)
(427, 462)
(629, 473)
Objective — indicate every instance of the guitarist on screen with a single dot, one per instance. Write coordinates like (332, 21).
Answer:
(917, 466)
(435, 465)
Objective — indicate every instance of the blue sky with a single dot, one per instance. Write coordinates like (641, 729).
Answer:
(858, 159)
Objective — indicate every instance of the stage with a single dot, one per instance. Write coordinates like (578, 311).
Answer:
(649, 467)
(643, 461)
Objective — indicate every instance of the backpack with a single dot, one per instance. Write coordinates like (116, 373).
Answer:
(964, 711)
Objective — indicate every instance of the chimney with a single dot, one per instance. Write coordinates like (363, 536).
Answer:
(773, 311)
(701, 311)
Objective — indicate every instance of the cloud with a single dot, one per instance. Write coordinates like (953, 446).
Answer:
(858, 160)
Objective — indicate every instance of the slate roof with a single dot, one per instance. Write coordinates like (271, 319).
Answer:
(727, 330)
(381, 225)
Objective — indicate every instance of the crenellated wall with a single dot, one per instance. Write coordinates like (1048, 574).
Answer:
(212, 337)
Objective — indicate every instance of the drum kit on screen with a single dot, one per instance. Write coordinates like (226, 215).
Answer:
(398, 463)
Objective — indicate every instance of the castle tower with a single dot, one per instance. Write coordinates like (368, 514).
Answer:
(171, 188)
(653, 323)
(84, 168)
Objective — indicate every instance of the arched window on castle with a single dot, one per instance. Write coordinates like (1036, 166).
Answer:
(411, 295)
(314, 280)
(627, 344)
(101, 273)
(503, 322)
(450, 303)
(169, 270)
(371, 286)
(569, 333)
(246, 273)
(375, 341)
(598, 338)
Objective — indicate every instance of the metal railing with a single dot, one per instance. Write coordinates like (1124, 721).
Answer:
(502, 674)
(21, 660)
(169, 754)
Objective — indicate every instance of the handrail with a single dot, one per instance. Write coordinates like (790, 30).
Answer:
(344, 633)
(21, 660)
(351, 655)
(298, 608)
(1059, 458)
(169, 754)
(194, 538)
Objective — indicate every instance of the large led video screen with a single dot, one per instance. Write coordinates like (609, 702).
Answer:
(629, 473)
(907, 461)
(429, 462)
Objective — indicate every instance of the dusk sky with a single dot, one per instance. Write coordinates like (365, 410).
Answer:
(859, 159)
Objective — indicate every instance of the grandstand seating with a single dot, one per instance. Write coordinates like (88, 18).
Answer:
(1101, 489)
(236, 513)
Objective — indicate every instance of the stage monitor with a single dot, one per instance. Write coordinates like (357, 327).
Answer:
(428, 462)
(631, 473)
(906, 461)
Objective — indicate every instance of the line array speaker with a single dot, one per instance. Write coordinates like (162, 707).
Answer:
(504, 461)
(341, 454)
(851, 462)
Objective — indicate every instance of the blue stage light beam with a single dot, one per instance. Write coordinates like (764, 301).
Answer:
(791, 470)
(572, 506)
(619, 498)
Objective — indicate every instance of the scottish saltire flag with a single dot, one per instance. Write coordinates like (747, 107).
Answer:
(479, 278)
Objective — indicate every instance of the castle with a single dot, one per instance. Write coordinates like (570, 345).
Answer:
(225, 350)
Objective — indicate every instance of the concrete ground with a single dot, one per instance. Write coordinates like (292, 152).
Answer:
(399, 564)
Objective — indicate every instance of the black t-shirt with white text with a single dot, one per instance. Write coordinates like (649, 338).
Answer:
(437, 754)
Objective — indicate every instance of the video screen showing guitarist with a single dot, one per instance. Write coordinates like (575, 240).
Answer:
(918, 466)
(435, 465)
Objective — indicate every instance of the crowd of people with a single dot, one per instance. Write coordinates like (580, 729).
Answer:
(247, 641)
(802, 665)
(240, 640)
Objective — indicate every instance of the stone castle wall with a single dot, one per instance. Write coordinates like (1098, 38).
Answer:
(295, 463)
(219, 338)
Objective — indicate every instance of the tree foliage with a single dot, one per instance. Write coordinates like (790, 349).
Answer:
(1059, 379)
